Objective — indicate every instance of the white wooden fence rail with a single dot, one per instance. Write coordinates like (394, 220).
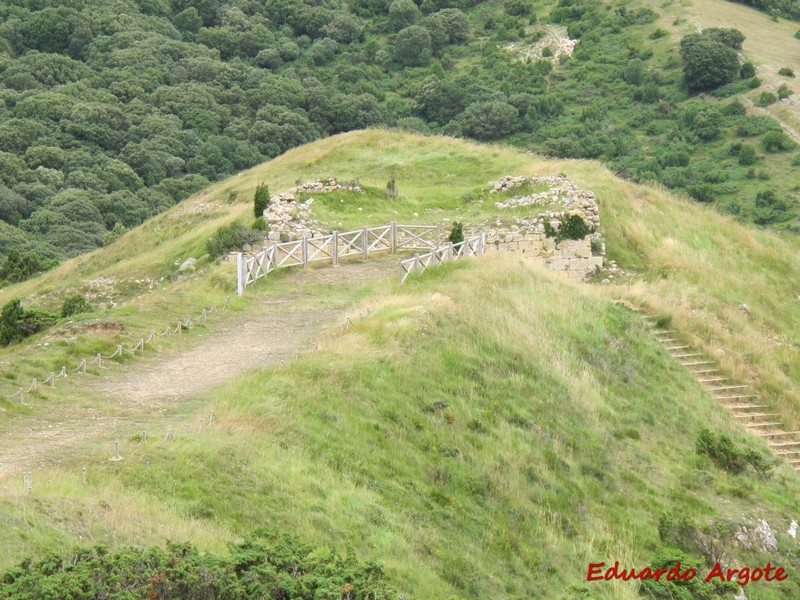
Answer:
(472, 246)
(360, 242)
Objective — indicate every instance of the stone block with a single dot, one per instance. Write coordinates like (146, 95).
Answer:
(595, 262)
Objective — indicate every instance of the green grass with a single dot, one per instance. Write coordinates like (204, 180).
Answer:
(481, 448)
(486, 431)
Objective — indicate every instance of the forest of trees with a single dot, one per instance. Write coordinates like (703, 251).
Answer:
(111, 112)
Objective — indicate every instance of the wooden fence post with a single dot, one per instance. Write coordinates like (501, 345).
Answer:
(483, 243)
(240, 280)
(393, 237)
(364, 243)
(417, 264)
(335, 242)
(305, 252)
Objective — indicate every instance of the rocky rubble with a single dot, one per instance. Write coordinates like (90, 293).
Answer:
(289, 219)
(576, 258)
(561, 192)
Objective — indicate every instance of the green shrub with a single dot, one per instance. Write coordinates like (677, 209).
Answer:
(16, 323)
(766, 98)
(391, 188)
(702, 192)
(784, 91)
(281, 566)
(658, 33)
(456, 233)
(786, 72)
(747, 155)
(19, 267)
(260, 224)
(231, 237)
(769, 209)
(724, 453)
(261, 200)
(518, 8)
(112, 236)
(571, 227)
(777, 141)
(74, 304)
(734, 108)
(747, 70)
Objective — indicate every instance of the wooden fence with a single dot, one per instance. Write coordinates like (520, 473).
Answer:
(360, 242)
(471, 246)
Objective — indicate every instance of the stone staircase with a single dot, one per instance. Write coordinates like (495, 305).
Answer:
(742, 402)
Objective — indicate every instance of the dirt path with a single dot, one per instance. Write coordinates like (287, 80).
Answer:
(143, 396)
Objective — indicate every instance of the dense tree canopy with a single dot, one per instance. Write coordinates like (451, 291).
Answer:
(110, 113)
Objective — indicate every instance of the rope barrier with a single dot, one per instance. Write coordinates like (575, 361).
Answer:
(98, 358)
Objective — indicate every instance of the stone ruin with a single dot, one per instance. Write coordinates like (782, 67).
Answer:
(562, 192)
(289, 219)
(575, 258)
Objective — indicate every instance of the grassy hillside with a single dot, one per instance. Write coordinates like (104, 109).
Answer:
(486, 431)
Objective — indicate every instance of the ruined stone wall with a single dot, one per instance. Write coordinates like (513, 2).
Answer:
(574, 258)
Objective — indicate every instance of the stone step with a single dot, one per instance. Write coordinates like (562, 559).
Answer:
(787, 452)
(712, 379)
(744, 406)
(697, 363)
(794, 461)
(768, 424)
(687, 355)
(705, 371)
(726, 387)
(782, 434)
(671, 348)
(736, 397)
(755, 415)
(779, 445)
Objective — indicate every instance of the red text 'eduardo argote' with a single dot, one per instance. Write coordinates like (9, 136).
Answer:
(742, 576)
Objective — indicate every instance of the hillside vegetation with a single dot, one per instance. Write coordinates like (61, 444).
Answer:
(485, 431)
(112, 112)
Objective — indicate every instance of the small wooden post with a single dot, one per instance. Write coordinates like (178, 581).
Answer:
(83, 474)
(117, 456)
(305, 252)
(393, 237)
(483, 243)
(417, 264)
(364, 243)
(27, 482)
(240, 281)
(335, 242)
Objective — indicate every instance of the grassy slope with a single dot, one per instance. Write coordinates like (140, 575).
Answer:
(769, 44)
(566, 428)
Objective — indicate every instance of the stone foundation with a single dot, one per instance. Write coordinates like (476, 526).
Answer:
(574, 258)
